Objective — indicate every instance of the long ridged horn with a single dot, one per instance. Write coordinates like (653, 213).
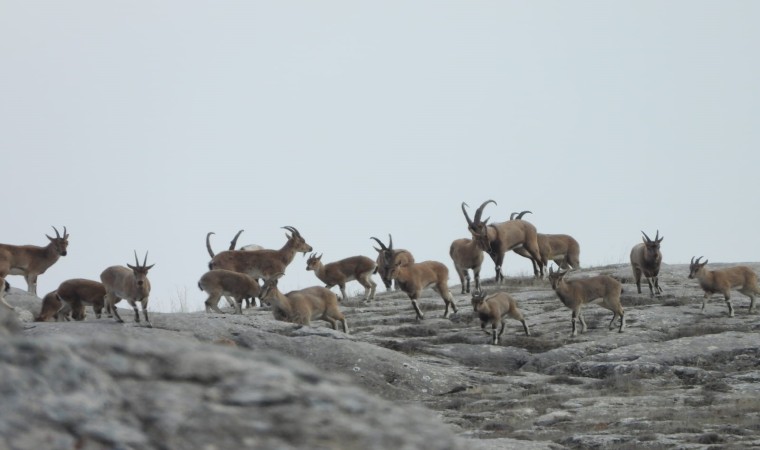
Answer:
(469, 221)
(233, 242)
(479, 211)
(390, 242)
(208, 243)
(382, 246)
(522, 213)
(647, 237)
(65, 233)
(292, 230)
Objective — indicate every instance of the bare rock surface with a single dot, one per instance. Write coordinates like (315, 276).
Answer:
(677, 377)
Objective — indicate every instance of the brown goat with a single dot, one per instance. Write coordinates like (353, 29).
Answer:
(493, 309)
(499, 238)
(576, 293)
(467, 255)
(219, 282)
(130, 283)
(54, 308)
(359, 268)
(413, 278)
(303, 306)
(78, 293)
(31, 260)
(386, 254)
(721, 281)
(645, 260)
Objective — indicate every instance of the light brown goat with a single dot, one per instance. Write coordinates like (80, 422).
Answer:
(31, 260)
(262, 264)
(303, 306)
(413, 278)
(499, 238)
(721, 281)
(238, 286)
(385, 254)
(233, 243)
(645, 260)
(467, 255)
(576, 293)
(493, 309)
(130, 283)
(359, 268)
(563, 249)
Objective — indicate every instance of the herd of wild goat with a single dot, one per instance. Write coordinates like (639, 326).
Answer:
(236, 274)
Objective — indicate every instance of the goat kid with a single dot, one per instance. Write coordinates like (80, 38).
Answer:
(493, 309)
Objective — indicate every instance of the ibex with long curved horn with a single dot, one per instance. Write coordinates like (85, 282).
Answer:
(30, 260)
(262, 264)
(129, 283)
(385, 254)
(645, 260)
(497, 239)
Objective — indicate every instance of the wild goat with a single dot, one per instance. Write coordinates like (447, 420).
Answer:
(303, 306)
(645, 260)
(54, 308)
(130, 283)
(359, 268)
(388, 254)
(563, 249)
(31, 260)
(262, 264)
(233, 243)
(723, 280)
(220, 282)
(413, 278)
(467, 255)
(497, 239)
(79, 293)
(576, 293)
(493, 309)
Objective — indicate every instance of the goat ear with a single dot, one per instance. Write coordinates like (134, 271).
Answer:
(131, 266)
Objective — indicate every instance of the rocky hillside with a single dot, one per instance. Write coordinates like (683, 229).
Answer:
(676, 378)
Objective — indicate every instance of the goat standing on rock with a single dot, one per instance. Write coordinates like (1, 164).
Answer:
(359, 268)
(645, 260)
(467, 255)
(723, 280)
(499, 238)
(493, 309)
(129, 283)
(576, 293)
(31, 260)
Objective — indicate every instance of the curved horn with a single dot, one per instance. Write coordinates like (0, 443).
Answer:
(292, 230)
(647, 237)
(57, 234)
(390, 242)
(137, 262)
(469, 221)
(208, 243)
(692, 260)
(145, 261)
(519, 216)
(65, 233)
(479, 211)
(380, 242)
(233, 242)
(512, 216)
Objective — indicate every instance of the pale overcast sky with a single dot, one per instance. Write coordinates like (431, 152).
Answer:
(142, 125)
